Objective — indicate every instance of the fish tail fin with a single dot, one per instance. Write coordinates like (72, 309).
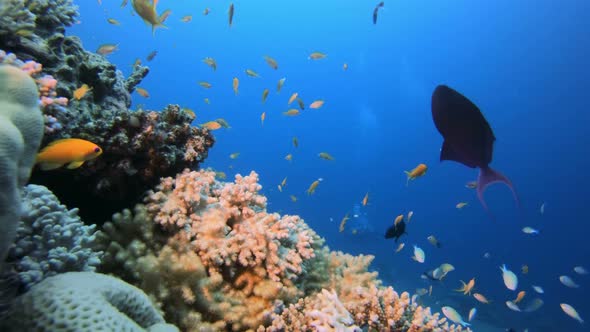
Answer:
(488, 176)
(409, 177)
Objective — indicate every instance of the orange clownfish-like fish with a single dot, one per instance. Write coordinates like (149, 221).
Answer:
(71, 151)
(417, 172)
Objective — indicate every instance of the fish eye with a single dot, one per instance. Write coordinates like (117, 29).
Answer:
(97, 149)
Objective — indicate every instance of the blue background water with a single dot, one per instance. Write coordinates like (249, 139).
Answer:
(524, 63)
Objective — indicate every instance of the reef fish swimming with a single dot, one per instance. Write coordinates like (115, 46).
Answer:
(468, 138)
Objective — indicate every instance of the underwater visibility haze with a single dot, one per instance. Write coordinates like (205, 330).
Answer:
(202, 165)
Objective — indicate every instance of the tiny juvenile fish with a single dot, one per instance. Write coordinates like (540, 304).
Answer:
(317, 56)
(529, 230)
(280, 84)
(142, 92)
(295, 142)
(230, 14)
(316, 104)
(325, 156)
(113, 21)
(152, 55)
(252, 73)
(235, 85)
(211, 63)
(271, 62)
(107, 49)
(292, 98)
(291, 112)
(264, 95)
(206, 85)
(461, 205)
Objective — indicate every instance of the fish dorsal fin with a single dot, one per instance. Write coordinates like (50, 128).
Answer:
(447, 153)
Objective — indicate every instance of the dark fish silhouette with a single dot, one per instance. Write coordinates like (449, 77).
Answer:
(396, 231)
(468, 138)
(376, 10)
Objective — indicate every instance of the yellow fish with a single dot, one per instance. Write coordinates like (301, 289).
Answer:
(293, 198)
(113, 21)
(146, 9)
(284, 182)
(280, 84)
(316, 104)
(271, 62)
(234, 155)
(252, 73)
(317, 56)
(235, 84)
(292, 98)
(292, 112)
(211, 63)
(325, 155)
(80, 92)
(206, 85)
(71, 151)
(313, 187)
(289, 157)
(264, 95)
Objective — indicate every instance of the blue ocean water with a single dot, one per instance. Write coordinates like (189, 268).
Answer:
(524, 63)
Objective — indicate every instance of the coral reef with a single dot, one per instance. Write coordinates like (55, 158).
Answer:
(102, 116)
(214, 259)
(21, 129)
(50, 239)
(84, 301)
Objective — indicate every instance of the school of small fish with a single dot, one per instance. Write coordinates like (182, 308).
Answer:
(74, 153)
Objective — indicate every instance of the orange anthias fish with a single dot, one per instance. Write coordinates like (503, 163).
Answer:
(366, 199)
(271, 62)
(143, 92)
(146, 9)
(262, 117)
(417, 172)
(292, 98)
(317, 56)
(211, 125)
(236, 85)
(313, 187)
(106, 49)
(80, 92)
(316, 104)
(71, 151)
(467, 287)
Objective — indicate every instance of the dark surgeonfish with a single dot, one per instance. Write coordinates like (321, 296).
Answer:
(376, 10)
(396, 231)
(468, 138)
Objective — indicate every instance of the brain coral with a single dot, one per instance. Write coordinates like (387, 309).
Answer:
(84, 301)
